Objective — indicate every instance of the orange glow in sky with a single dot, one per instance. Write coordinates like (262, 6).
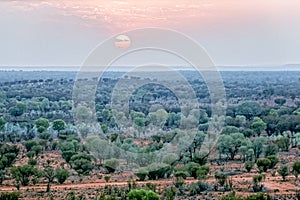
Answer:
(234, 32)
(120, 15)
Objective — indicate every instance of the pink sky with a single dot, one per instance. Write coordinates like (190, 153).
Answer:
(234, 32)
(120, 15)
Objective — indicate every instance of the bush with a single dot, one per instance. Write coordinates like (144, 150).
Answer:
(9, 196)
(263, 164)
(283, 143)
(202, 172)
(159, 170)
(257, 179)
(192, 169)
(274, 161)
(271, 149)
(200, 158)
(296, 168)
(82, 163)
(197, 188)
(283, 171)
(181, 174)
(142, 195)
(169, 193)
(221, 178)
(111, 165)
(249, 165)
(62, 175)
(32, 162)
(231, 196)
(142, 174)
(106, 178)
(22, 174)
(258, 196)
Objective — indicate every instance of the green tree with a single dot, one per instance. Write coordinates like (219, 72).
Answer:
(283, 171)
(82, 163)
(280, 101)
(263, 164)
(42, 124)
(271, 149)
(249, 165)
(258, 126)
(158, 118)
(274, 160)
(249, 109)
(30, 144)
(62, 175)
(9, 196)
(258, 146)
(283, 143)
(112, 165)
(2, 123)
(221, 178)
(257, 179)
(142, 174)
(23, 174)
(17, 110)
(159, 171)
(296, 169)
(49, 174)
(202, 172)
(230, 144)
(58, 125)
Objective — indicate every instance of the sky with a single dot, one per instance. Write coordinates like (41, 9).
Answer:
(233, 32)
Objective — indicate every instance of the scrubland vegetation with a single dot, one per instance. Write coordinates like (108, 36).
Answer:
(45, 154)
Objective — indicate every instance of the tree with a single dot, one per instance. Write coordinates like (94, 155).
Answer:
(249, 165)
(230, 144)
(83, 114)
(258, 125)
(8, 155)
(249, 109)
(258, 145)
(59, 125)
(23, 174)
(9, 196)
(202, 172)
(42, 124)
(159, 170)
(158, 118)
(271, 149)
(221, 178)
(257, 179)
(283, 143)
(192, 169)
(49, 174)
(229, 130)
(280, 101)
(2, 123)
(2, 176)
(99, 148)
(274, 160)
(30, 144)
(142, 174)
(263, 164)
(111, 165)
(62, 175)
(17, 110)
(296, 169)
(81, 163)
(283, 171)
